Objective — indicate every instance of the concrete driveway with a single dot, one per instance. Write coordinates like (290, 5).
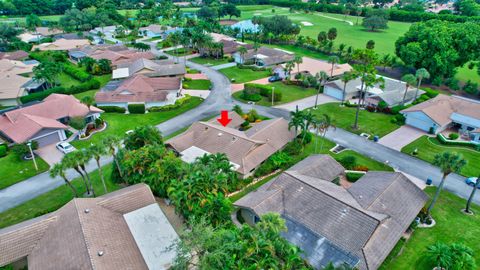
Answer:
(50, 154)
(401, 137)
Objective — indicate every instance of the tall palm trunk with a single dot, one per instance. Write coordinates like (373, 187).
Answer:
(344, 92)
(316, 98)
(77, 169)
(101, 174)
(472, 195)
(117, 164)
(418, 87)
(355, 125)
(405, 95)
(437, 194)
(75, 194)
(88, 178)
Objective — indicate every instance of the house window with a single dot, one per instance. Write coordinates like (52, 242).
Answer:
(470, 128)
(256, 219)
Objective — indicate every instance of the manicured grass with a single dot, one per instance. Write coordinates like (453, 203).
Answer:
(428, 147)
(452, 227)
(179, 52)
(209, 61)
(52, 200)
(237, 75)
(66, 80)
(200, 84)
(344, 117)
(104, 79)
(118, 124)
(464, 74)
(13, 169)
(289, 93)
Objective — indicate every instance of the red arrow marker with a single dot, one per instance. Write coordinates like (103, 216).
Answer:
(224, 120)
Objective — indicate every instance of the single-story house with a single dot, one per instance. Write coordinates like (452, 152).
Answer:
(106, 30)
(71, 35)
(16, 55)
(124, 229)
(442, 112)
(358, 225)
(78, 54)
(264, 57)
(313, 66)
(15, 81)
(392, 93)
(121, 57)
(61, 45)
(141, 89)
(156, 30)
(150, 68)
(231, 46)
(47, 31)
(246, 150)
(30, 37)
(46, 121)
(219, 37)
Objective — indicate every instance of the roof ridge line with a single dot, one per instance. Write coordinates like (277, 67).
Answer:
(397, 175)
(83, 232)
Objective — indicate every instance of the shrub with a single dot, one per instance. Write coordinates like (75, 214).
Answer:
(98, 122)
(136, 108)
(85, 86)
(293, 148)
(179, 102)
(349, 162)
(277, 96)
(250, 97)
(382, 105)
(361, 168)
(353, 176)
(112, 109)
(470, 87)
(430, 92)
(76, 73)
(452, 83)
(305, 137)
(443, 140)
(453, 136)
(77, 123)
(398, 108)
(264, 169)
(3, 150)
(238, 109)
(41, 95)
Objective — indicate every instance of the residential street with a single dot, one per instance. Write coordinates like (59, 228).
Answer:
(220, 99)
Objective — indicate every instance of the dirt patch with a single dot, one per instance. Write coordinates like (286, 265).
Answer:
(228, 22)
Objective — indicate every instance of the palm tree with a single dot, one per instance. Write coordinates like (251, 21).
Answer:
(97, 151)
(289, 67)
(421, 74)
(83, 157)
(256, 46)
(298, 60)
(346, 77)
(333, 60)
(309, 120)
(58, 169)
(449, 163)
(87, 101)
(70, 161)
(297, 120)
(322, 78)
(242, 51)
(409, 80)
(323, 125)
(472, 195)
(440, 255)
(112, 143)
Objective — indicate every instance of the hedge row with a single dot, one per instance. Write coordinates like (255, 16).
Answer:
(136, 108)
(179, 102)
(393, 14)
(3, 150)
(76, 73)
(112, 109)
(446, 141)
(353, 176)
(85, 86)
(252, 89)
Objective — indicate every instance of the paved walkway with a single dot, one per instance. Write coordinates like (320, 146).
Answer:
(196, 76)
(197, 93)
(227, 65)
(401, 162)
(401, 137)
(306, 102)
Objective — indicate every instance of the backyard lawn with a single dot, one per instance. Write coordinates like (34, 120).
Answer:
(118, 124)
(428, 147)
(13, 169)
(208, 61)
(54, 199)
(179, 52)
(237, 75)
(200, 84)
(289, 93)
(372, 123)
(452, 227)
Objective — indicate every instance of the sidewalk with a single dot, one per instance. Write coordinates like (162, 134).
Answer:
(306, 103)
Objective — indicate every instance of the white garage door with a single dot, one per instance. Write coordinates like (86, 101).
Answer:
(333, 93)
(419, 123)
(48, 139)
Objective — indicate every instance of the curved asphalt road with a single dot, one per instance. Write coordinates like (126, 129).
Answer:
(220, 99)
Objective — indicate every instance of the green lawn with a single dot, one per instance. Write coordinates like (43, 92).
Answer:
(452, 227)
(208, 61)
(464, 74)
(237, 75)
(289, 93)
(179, 52)
(104, 79)
(344, 117)
(118, 124)
(13, 169)
(52, 200)
(428, 147)
(200, 84)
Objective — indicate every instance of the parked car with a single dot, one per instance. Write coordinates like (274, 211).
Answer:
(65, 147)
(274, 78)
(471, 181)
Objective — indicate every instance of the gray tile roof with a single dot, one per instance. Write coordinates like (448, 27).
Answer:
(153, 68)
(319, 166)
(71, 237)
(269, 56)
(364, 221)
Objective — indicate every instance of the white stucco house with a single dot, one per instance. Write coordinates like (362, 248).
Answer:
(444, 112)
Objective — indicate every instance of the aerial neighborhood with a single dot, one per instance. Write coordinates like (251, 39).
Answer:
(274, 134)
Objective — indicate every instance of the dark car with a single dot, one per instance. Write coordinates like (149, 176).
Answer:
(274, 78)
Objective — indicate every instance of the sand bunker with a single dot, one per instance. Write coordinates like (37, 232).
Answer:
(307, 23)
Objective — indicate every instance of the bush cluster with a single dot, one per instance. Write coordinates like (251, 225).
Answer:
(254, 68)
(444, 140)
(136, 108)
(254, 92)
(3, 150)
(76, 73)
(41, 95)
(349, 162)
(85, 86)
(112, 109)
(179, 102)
(353, 176)
(453, 136)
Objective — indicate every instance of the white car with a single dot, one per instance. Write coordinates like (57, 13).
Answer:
(65, 147)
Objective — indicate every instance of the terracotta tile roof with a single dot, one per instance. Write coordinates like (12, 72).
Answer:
(73, 236)
(150, 68)
(246, 149)
(61, 45)
(21, 124)
(313, 66)
(365, 220)
(46, 31)
(441, 108)
(141, 89)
